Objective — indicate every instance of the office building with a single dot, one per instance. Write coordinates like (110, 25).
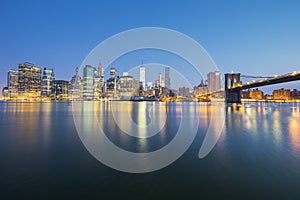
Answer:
(167, 78)
(161, 81)
(102, 82)
(76, 86)
(29, 80)
(12, 84)
(143, 76)
(88, 82)
(60, 89)
(126, 87)
(214, 81)
(47, 79)
(184, 92)
(111, 84)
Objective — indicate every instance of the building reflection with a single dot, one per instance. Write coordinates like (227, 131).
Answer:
(294, 128)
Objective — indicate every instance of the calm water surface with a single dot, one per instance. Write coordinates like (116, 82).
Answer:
(256, 157)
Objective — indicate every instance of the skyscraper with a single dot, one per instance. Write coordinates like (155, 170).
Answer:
(167, 78)
(101, 75)
(47, 79)
(29, 80)
(111, 83)
(12, 84)
(76, 86)
(161, 80)
(214, 81)
(143, 76)
(88, 82)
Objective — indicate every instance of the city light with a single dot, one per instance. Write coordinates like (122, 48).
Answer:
(29, 83)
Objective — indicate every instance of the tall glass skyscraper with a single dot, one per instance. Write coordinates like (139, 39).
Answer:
(98, 82)
(76, 86)
(47, 81)
(101, 75)
(111, 83)
(29, 80)
(143, 76)
(88, 82)
(167, 78)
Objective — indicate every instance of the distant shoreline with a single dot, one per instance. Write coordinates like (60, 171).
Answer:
(68, 101)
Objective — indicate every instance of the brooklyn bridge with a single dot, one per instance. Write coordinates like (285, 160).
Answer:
(234, 86)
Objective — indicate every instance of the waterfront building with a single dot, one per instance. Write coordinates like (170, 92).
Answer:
(102, 81)
(97, 88)
(29, 80)
(184, 92)
(281, 94)
(76, 87)
(5, 93)
(201, 89)
(295, 94)
(214, 81)
(143, 76)
(47, 79)
(12, 84)
(111, 84)
(126, 87)
(256, 94)
(88, 83)
(60, 89)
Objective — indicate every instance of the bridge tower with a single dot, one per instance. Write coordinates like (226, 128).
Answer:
(232, 88)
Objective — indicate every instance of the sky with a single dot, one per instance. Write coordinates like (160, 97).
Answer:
(255, 37)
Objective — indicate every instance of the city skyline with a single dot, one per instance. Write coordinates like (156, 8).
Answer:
(247, 37)
(30, 82)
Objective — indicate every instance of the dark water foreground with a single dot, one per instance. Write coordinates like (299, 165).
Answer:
(256, 157)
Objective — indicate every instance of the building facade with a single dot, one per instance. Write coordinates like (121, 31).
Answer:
(214, 81)
(143, 76)
(201, 89)
(126, 87)
(60, 90)
(281, 94)
(102, 81)
(111, 84)
(184, 92)
(29, 80)
(12, 84)
(88, 83)
(47, 81)
(256, 94)
(167, 78)
(76, 86)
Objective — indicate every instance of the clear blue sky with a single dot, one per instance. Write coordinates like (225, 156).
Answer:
(248, 36)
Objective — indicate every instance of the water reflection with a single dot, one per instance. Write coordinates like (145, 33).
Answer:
(266, 120)
(259, 147)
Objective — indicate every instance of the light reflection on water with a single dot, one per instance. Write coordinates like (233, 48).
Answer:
(260, 141)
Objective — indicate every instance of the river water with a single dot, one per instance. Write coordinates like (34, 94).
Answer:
(256, 156)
